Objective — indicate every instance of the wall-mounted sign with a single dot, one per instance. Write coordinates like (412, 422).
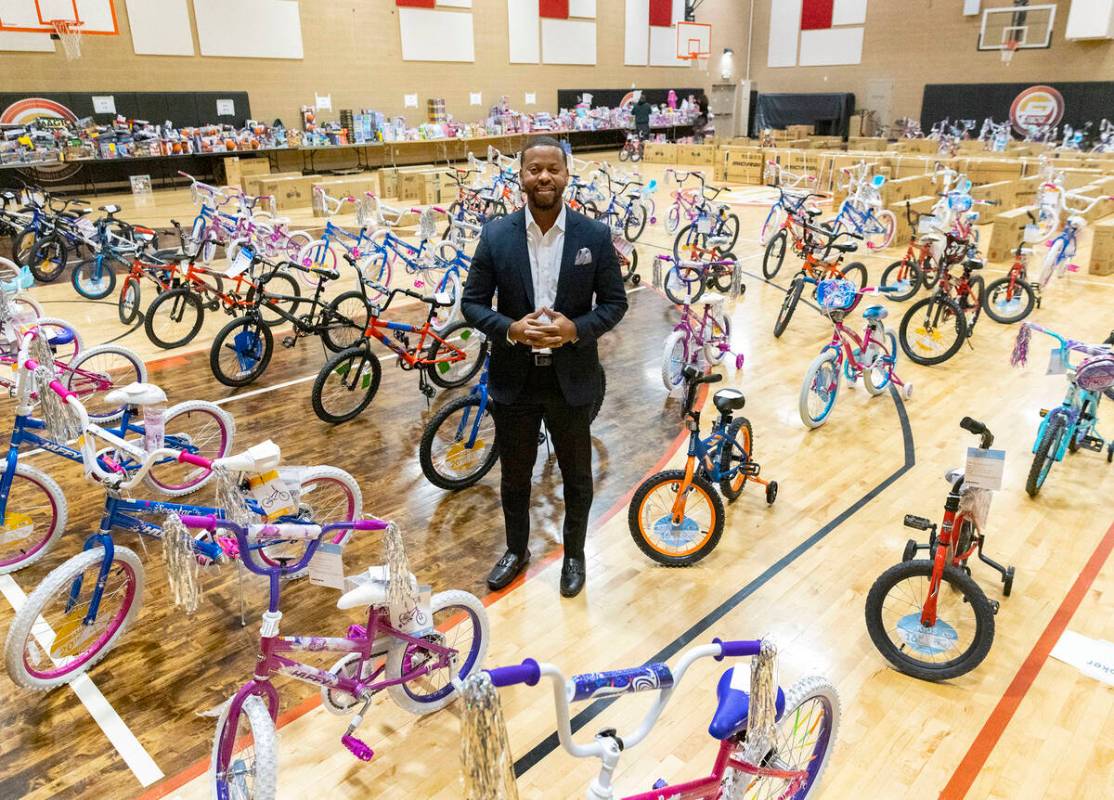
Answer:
(1036, 107)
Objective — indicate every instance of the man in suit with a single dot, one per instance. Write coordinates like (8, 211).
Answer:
(559, 289)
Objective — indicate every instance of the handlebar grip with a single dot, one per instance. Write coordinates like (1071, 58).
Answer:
(527, 672)
(743, 647)
(196, 460)
(368, 525)
(207, 522)
(972, 426)
(61, 391)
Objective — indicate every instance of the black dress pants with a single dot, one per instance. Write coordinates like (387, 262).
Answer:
(517, 426)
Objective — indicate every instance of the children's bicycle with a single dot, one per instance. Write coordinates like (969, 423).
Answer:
(872, 357)
(927, 616)
(1011, 298)
(676, 516)
(698, 341)
(789, 219)
(416, 646)
(1073, 425)
(935, 327)
(632, 148)
(773, 744)
(862, 213)
(819, 265)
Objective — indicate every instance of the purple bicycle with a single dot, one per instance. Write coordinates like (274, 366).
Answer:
(707, 334)
(418, 651)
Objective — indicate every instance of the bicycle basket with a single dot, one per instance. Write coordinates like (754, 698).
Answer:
(836, 294)
(1096, 373)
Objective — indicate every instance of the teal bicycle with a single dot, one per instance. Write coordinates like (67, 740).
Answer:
(1073, 425)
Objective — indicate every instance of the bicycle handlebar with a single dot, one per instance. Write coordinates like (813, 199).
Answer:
(979, 429)
(286, 530)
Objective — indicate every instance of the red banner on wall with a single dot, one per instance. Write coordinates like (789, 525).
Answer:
(661, 13)
(816, 15)
(553, 9)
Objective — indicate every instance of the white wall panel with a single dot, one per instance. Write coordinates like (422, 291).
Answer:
(663, 48)
(430, 35)
(249, 28)
(454, 3)
(26, 42)
(568, 41)
(1090, 19)
(785, 22)
(849, 12)
(831, 47)
(522, 31)
(160, 27)
(582, 8)
(636, 35)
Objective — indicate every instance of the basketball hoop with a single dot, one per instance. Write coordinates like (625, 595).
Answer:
(1008, 49)
(70, 33)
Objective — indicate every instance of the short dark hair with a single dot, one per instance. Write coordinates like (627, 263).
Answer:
(541, 141)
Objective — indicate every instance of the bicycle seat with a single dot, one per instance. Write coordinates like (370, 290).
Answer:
(712, 299)
(876, 312)
(370, 590)
(136, 394)
(109, 209)
(813, 212)
(262, 457)
(849, 247)
(733, 703)
(728, 400)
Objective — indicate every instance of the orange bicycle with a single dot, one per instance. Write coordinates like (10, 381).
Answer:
(818, 266)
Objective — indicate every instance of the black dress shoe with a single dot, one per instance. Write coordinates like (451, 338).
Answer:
(572, 577)
(506, 570)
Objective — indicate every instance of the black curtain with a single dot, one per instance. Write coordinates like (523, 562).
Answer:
(829, 112)
(1083, 101)
(183, 109)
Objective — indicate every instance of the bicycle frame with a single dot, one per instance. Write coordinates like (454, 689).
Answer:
(1071, 408)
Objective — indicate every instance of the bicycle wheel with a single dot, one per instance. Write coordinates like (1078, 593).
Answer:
(729, 229)
(450, 375)
(687, 238)
(878, 375)
(94, 373)
(174, 318)
(41, 659)
(346, 384)
(905, 276)
(459, 623)
(94, 278)
(22, 243)
(855, 272)
(35, 516)
(250, 772)
(774, 255)
(675, 544)
(788, 305)
(1009, 300)
(683, 285)
(736, 449)
(774, 220)
(127, 305)
(458, 448)
(674, 359)
(443, 316)
(286, 293)
(880, 234)
(344, 321)
(672, 219)
(803, 740)
(1048, 450)
(241, 351)
(932, 330)
(635, 223)
(47, 258)
(197, 427)
(954, 645)
(717, 332)
(820, 389)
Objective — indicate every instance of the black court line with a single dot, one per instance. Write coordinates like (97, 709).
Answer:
(551, 742)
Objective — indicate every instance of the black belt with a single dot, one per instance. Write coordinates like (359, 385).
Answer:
(543, 359)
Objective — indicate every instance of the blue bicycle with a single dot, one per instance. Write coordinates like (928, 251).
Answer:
(1073, 425)
(861, 213)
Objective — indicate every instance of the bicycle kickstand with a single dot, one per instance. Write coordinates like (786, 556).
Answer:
(356, 747)
(426, 389)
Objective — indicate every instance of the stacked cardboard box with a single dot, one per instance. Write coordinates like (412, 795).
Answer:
(701, 154)
(289, 192)
(867, 143)
(922, 204)
(236, 169)
(1009, 227)
(660, 153)
(251, 182)
(354, 185)
(1102, 249)
(741, 164)
(990, 170)
(420, 185)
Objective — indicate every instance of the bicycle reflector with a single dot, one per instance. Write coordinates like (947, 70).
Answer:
(836, 294)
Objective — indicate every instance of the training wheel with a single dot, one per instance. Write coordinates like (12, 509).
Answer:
(907, 391)
(635, 279)
(1007, 582)
(910, 551)
(771, 492)
(1110, 452)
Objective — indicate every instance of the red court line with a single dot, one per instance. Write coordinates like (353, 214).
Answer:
(964, 776)
(199, 767)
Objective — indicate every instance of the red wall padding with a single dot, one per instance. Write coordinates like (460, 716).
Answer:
(661, 13)
(553, 9)
(816, 14)
(416, 3)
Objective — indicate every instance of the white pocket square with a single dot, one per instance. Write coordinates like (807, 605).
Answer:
(583, 256)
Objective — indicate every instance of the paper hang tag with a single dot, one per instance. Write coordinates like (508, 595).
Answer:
(419, 620)
(1056, 363)
(326, 568)
(241, 263)
(985, 468)
(272, 494)
(704, 225)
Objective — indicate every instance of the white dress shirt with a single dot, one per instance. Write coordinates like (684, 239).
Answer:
(545, 251)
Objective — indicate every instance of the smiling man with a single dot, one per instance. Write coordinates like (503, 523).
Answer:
(559, 289)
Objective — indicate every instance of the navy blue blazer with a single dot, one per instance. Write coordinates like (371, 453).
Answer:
(591, 295)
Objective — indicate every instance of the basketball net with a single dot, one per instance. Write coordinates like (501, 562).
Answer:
(1008, 51)
(70, 34)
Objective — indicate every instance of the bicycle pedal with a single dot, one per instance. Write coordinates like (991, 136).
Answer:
(288, 341)
(428, 391)
(994, 606)
(1092, 443)
(357, 748)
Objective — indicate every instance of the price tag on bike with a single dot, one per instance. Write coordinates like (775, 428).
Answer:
(984, 468)
(326, 568)
(622, 245)
(272, 494)
(240, 264)
(1056, 364)
(704, 225)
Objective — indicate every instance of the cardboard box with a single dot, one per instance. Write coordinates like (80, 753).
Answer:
(1102, 249)
(388, 183)
(354, 185)
(699, 154)
(251, 182)
(660, 153)
(231, 170)
(1009, 227)
(290, 192)
(254, 166)
(922, 204)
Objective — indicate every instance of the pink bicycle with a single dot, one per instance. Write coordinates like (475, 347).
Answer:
(706, 335)
(873, 356)
(773, 744)
(418, 652)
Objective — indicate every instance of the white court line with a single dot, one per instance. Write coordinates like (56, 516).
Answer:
(135, 756)
(284, 384)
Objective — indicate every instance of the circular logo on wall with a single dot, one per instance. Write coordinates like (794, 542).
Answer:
(1035, 107)
(26, 111)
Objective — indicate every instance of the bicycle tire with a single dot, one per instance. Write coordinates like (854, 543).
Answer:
(693, 285)
(671, 367)
(85, 283)
(263, 746)
(937, 309)
(252, 345)
(708, 539)
(725, 225)
(775, 251)
(178, 302)
(133, 371)
(722, 277)
(888, 224)
(452, 376)
(341, 330)
(17, 519)
(849, 271)
(971, 596)
(61, 579)
(183, 432)
(902, 273)
(127, 305)
(489, 451)
(638, 216)
(1045, 455)
(369, 374)
(876, 387)
(672, 219)
(808, 388)
(691, 238)
(788, 305)
(732, 489)
(51, 250)
(1018, 294)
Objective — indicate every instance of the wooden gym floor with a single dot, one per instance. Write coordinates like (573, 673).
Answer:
(1021, 726)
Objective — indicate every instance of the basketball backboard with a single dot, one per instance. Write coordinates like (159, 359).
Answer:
(96, 17)
(1017, 27)
(694, 40)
